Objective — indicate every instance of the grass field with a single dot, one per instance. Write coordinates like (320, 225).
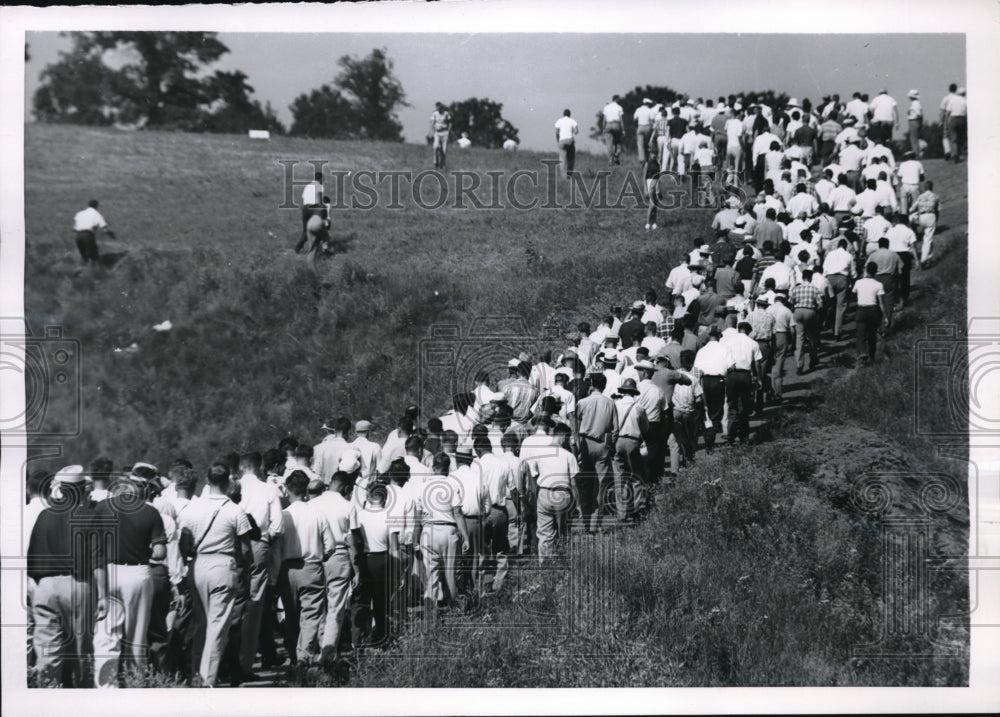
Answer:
(755, 569)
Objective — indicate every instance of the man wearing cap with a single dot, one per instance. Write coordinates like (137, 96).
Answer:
(609, 360)
(306, 544)
(596, 415)
(911, 173)
(518, 391)
(725, 218)
(954, 111)
(496, 477)
(686, 402)
(337, 569)
(631, 425)
(262, 502)
(126, 587)
(927, 207)
(62, 564)
(612, 117)
(762, 331)
(553, 470)
(643, 117)
(369, 452)
(652, 400)
(679, 278)
(327, 453)
(783, 323)
(441, 533)
(475, 504)
(717, 126)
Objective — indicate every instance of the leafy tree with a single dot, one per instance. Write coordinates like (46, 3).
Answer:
(630, 102)
(233, 110)
(157, 84)
(483, 120)
(362, 102)
(324, 112)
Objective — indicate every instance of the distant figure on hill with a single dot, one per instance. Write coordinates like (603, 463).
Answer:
(312, 196)
(464, 142)
(440, 128)
(510, 144)
(86, 224)
(566, 131)
(613, 116)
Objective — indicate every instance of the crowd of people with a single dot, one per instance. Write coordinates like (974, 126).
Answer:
(330, 547)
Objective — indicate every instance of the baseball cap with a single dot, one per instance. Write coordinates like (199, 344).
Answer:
(637, 304)
(70, 474)
(913, 93)
(647, 101)
(513, 363)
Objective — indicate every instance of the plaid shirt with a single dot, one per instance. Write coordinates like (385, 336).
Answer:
(665, 327)
(805, 296)
(927, 203)
(521, 396)
(762, 323)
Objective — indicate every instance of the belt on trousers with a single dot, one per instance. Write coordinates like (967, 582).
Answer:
(500, 507)
(376, 552)
(230, 555)
(634, 438)
(132, 565)
(558, 487)
(591, 438)
(441, 522)
(738, 370)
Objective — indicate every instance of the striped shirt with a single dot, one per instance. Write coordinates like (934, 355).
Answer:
(927, 203)
(762, 324)
(521, 397)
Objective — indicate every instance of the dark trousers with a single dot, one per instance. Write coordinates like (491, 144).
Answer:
(888, 282)
(685, 429)
(267, 646)
(715, 403)
(182, 657)
(868, 320)
(375, 587)
(656, 444)
(739, 390)
(86, 242)
(307, 211)
(904, 276)
(157, 636)
(957, 130)
(767, 351)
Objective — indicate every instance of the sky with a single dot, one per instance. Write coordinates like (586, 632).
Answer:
(536, 76)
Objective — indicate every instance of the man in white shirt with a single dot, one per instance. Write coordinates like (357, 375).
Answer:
(903, 241)
(510, 144)
(783, 323)
(464, 142)
(885, 116)
(496, 477)
(86, 224)
(866, 202)
(474, 506)
(911, 174)
(802, 202)
(613, 117)
(643, 117)
(440, 128)
(554, 471)
(711, 362)
(566, 131)
(858, 109)
(841, 197)
(262, 502)
(442, 533)
(338, 572)
(914, 121)
(306, 542)
(838, 268)
(824, 186)
(369, 452)
(957, 112)
(734, 142)
(744, 361)
(327, 453)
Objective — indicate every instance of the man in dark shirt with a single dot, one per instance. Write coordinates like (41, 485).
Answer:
(633, 326)
(61, 560)
(745, 267)
(676, 127)
(124, 580)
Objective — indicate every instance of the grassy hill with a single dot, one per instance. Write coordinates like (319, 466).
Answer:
(756, 568)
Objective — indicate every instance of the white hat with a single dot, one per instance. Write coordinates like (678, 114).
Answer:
(733, 203)
(697, 280)
(738, 106)
(70, 474)
(350, 461)
(497, 397)
(645, 365)
(513, 363)
(609, 355)
(961, 90)
(913, 94)
(793, 102)
(704, 249)
(647, 101)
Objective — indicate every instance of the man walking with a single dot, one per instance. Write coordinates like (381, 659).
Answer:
(630, 472)
(595, 483)
(554, 470)
(744, 360)
(86, 224)
(871, 309)
(440, 128)
(643, 117)
(337, 569)
(566, 131)
(928, 206)
(914, 122)
(807, 301)
(613, 116)
(838, 268)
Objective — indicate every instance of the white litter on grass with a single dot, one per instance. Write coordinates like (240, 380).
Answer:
(164, 326)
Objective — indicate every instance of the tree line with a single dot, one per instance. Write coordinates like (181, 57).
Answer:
(163, 80)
